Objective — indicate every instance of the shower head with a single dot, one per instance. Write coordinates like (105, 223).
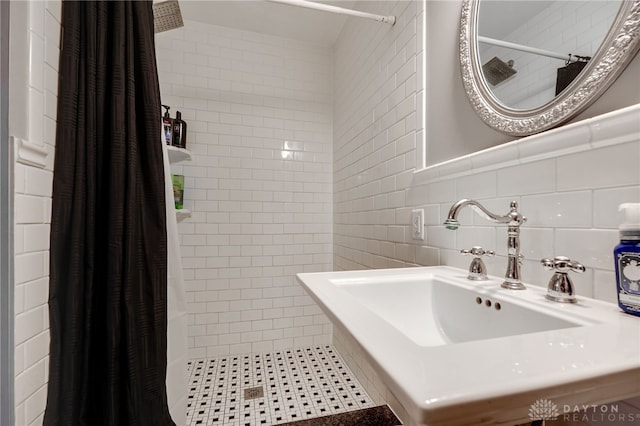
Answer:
(496, 70)
(167, 16)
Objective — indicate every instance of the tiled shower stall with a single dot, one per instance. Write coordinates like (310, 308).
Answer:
(261, 183)
(258, 109)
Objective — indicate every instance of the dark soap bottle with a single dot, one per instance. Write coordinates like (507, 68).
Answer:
(167, 126)
(179, 131)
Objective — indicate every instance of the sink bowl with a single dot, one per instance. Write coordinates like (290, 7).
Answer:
(453, 351)
(435, 311)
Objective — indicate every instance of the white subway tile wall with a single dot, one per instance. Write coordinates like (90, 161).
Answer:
(570, 197)
(259, 186)
(573, 214)
(376, 130)
(33, 188)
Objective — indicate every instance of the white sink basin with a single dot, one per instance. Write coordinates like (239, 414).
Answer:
(454, 351)
(436, 311)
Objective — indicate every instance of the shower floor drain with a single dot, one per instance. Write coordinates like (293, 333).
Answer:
(253, 393)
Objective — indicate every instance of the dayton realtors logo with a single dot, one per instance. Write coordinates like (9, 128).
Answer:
(544, 409)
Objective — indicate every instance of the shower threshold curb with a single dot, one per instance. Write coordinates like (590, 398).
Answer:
(380, 415)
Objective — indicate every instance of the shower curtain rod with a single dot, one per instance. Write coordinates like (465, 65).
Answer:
(339, 10)
(535, 50)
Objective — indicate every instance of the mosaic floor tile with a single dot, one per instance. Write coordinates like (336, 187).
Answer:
(296, 384)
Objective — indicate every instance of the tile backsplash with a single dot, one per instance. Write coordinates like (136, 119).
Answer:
(568, 181)
(569, 193)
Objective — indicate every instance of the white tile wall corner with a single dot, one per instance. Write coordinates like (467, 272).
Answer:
(259, 186)
(33, 188)
(376, 131)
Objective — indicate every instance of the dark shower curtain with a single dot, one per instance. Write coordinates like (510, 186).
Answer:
(108, 262)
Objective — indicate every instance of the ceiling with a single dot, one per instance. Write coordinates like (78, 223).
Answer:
(317, 27)
(497, 18)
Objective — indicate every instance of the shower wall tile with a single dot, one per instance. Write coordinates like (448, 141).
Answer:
(376, 132)
(32, 211)
(259, 114)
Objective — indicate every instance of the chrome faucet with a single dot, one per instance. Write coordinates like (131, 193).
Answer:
(513, 220)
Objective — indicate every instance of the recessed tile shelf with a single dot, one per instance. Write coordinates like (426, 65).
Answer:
(30, 153)
(178, 154)
(175, 156)
(183, 214)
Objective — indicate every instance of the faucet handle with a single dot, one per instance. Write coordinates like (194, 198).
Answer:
(562, 264)
(478, 251)
(560, 287)
(477, 268)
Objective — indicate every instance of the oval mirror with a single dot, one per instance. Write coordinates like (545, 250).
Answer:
(524, 76)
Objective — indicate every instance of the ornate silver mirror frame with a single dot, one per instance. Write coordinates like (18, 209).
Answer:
(617, 50)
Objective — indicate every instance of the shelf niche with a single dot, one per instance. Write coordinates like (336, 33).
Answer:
(183, 214)
(175, 156)
(178, 154)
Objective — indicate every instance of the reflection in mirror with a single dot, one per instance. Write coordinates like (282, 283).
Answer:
(531, 50)
(517, 117)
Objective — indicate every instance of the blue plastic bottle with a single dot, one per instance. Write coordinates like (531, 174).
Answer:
(627, 259)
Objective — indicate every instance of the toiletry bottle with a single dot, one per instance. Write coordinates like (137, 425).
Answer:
(179, 131)
(627, 259)
(167, 126)
(178, 190)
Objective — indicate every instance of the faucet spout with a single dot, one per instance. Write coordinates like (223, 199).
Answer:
(513, 219)
(482, 211)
